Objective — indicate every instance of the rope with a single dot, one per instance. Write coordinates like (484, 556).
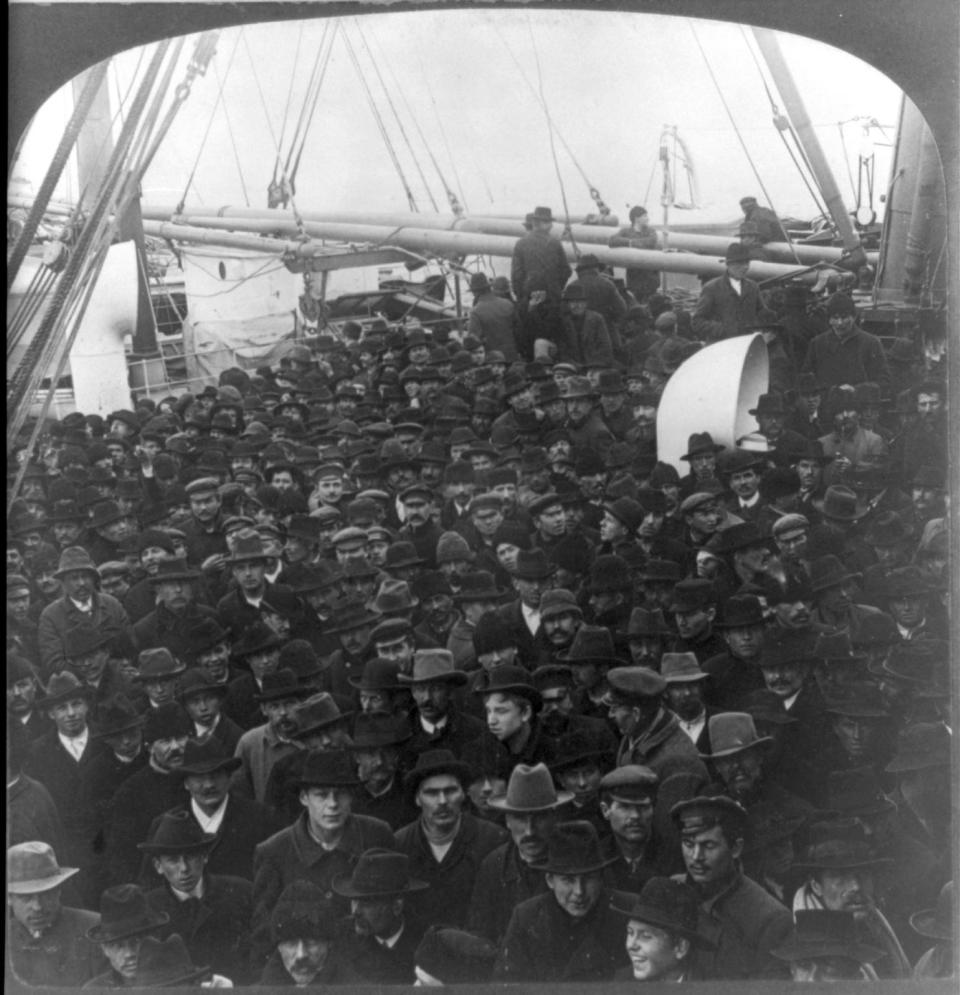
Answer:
(733, 123)
(443, 133)
(57, 165)
(206, 134)
(553, 150)
(313, 107)
(411, 200)
(233, 142)
(396, 116)
(286, 109)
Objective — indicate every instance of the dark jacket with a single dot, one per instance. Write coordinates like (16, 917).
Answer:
(32, 814)
(539, 263)
(459, 730)
(721, 313)
(215, 928)
(375, 964)
(237, 614)
(493, 321)
(452, 879)
(503, 882)
(62, 958)
(161, 627)
(543, 943)
(731, 680)
(61, 615)
(856, 359)
(394, 807)
(585, 340)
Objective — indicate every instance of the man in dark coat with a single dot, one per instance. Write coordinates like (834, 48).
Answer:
(146, 794)
(211, 912)
(729, 305)
(748, 921)
(734, 673)
(584, 336)
(176, 611)
(492, 319)
(446, 845)
(508, 874)
(254, 593)
(602, 297)
(640, 282)
(569, 933)
(845, 354)
(46, 942)
(381, 935)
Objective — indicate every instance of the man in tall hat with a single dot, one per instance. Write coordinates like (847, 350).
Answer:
(729, 304)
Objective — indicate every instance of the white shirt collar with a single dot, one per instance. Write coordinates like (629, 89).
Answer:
(209, 823)
(77, 745)
(789, 702)
(197, 892)
(751, 502)
(204, 732)
(532, 618)
(84, 606)
(432, 727)
(694, 728)
(736, 284)
(391, 941)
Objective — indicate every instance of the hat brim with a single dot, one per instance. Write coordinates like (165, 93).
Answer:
(501, 804)
(358, 623)
(795, 949)
(655, 917)
(759, 741)
(456, 768)
(35, 885)
(705, 451)
(102, 934)
(179, 575)
(157, 848)
(455, 678)
(319, 726)
(927, 923)
(491, 594)
(565, 763)
(134, 723)
(549, 868)
(837, 864)
(341, 884)
(58, 699)
(228, 764)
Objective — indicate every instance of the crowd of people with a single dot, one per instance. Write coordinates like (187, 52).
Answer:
(409, 661)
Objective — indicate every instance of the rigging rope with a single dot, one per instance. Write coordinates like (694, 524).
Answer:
(233, 141)
(443, 133)
(286, 109)
(292, 172)
(396, 116)
(384, 134)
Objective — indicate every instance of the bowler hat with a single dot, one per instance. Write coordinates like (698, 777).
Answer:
(574, 848)
(352, 613)
(937, 923)
(732, 732)
(531, 789)
(737, 252)
(840, 303)
(402, 554)
(256, 638)
(689, 595)
(478, 586)
(455, 957)
(116, 715)
(327, 769)
(681, 668)
(769, 404)
(317, 712)
(856, 793)
(645, 622)
(434, 665)
(508, 678)
(75, 558)
(533, 565)
(377, 873)
(165, 963)
(591, 644)
(281, 684)
(841, 504)
(827, 572)
(666, 904)
(206, 757)
(609, 572)
(177, 832)
(542, 214)
(106, 512)
(576, 747)
(921, 746)
(32, 867)
(167, 721)
(173, 569)
(373, 730)
(378, 674)
(433, 763)
(627, 511)
(740, 611)
(124, 912)
(825, 933)
(479, 283)
(299, 656)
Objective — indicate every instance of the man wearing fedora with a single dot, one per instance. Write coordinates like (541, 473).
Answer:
(585, 425)
(153, 546)
(747, 921)
(771, 414)
(685, 696)
(477, 595)
(327, 839)
(81, 603)
(202, 700)
(176, 609)
(379, 749)
(493, 319)
(834, 591)
(262, 746)
(125, 919)
(509, 875)
(439, 723)
(512, 704)
(531, 578)
(538, 273)
(146, 793)
(253, 592)
(729, 304)
(47, 942)
(569, 932)
(257, 653)
(211, 912)
(840, 870)
(381, 936)
(446, 844)
(734, 673)
(694, 609)
(602, 296)
(88, 653)
(109, 526)
(825, 946)
(664, 930)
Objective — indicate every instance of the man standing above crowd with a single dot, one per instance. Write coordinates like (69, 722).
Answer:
(729, 305)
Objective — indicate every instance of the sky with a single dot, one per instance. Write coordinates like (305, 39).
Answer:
(611, 81)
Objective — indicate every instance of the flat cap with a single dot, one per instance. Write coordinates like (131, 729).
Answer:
(631, 782)
(790, 523)
(202, 485)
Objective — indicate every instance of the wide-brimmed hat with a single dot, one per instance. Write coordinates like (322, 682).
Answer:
(328, 769)
(906, 582)
(105, 513)
(828, 571)
(533, 564)
(173, 569)
(432, 665)
(574, 747)
(374, 730)
(206, 634)
(531, 789)
(319, 711)
(248, 546)
(693, 594)
(282, 683)
(75, 558)
(666, 904)
(478, 586)
(352, 613)
(205, 758)
(699, 444)
(576, 387)
(164, 963)
(744, 535)
(256, 638)
(841, 504)
(116, 715)
(378, 674)
(378, 873)
(825, 933)
(732, 732)
(838, 852)
(646, 622)
(158, 663)
(858, 700)
(591, 644)
(920, 746)
(769, 404)
(511, 679)
(64, 687)
(432, 763)
(32, 867)
(177, 832)
(394, 596)
(574, 848)
(919, 663)
(681, 668)
(455, 957)
(937, 923)
(628, 512)
(124, 912)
